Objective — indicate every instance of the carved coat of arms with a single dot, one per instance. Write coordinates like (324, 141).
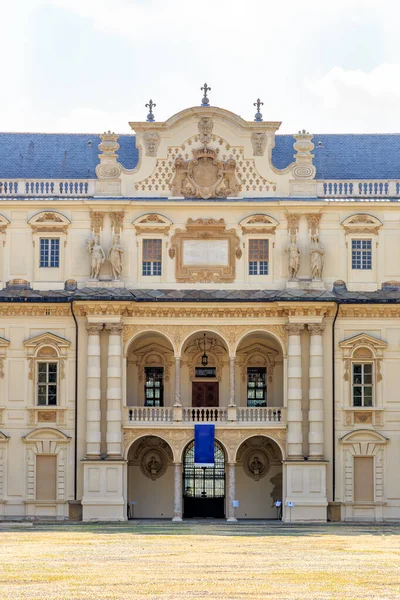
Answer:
(205, 176)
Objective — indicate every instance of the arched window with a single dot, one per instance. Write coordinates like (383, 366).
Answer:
(204, 487)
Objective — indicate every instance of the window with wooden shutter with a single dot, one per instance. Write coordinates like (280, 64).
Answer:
(258, 257)
(151, 263)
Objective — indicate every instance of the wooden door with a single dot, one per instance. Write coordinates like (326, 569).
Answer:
(205, 393)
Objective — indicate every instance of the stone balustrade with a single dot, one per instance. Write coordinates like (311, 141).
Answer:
(348, 188)
(47, 187)
(166, 416)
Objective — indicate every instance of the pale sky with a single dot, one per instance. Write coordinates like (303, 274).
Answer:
(91, 65)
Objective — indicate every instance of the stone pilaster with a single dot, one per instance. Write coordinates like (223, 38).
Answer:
(231, 492)
(294, 394)
(232, 401)
(93, 391)
(114, 391)
(177, 491)
(178, 381)
(316, 393)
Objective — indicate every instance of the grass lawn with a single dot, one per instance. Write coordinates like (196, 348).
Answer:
(200, 560)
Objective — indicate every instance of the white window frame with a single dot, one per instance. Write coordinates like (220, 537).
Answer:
(150, 279)
(259, 279)
(50, 240)
(47, 383)
(362, 385)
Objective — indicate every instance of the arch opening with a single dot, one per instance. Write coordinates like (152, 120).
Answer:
(259, 478)
(150, 479)
(204, 487)
(150, 371)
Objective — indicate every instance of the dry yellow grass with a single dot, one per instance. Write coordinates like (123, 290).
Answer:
(183, 561)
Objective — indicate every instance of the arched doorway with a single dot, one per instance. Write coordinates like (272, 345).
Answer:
(150, 479)
(204, 487)
(259, 478)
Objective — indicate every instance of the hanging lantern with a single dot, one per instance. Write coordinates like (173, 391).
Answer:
(204, 358)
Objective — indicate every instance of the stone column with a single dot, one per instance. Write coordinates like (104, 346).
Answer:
(178, 381)
(232, 381)
(294, 394)
(177, 491)
(231, 492)
(316, 393)
(114, 391)
(93, 391)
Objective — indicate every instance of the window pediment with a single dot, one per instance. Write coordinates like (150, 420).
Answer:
(46, 433)
(364, 435)
(49, 221)
(362, 223)
(152, 223)
(363, 340)
(37, 343)
(258, 223)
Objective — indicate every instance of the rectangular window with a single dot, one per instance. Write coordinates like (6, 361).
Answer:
(256, 386)
(47, 383)
(154, 388)
(151, 263)
(50, 252)
(361, 255)
(363, 479)
(362, 384)
(258, 257)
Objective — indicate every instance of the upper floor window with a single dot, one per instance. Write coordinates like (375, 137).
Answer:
(151, 262)
(362, 384)
(361, 254)
(256, 386)
(258, 257)
(49, 252)
(154, 386)
(47, 383)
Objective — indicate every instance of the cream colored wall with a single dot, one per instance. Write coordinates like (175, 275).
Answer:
(255, 500)
(18, 396)
(75, 258)
(387, 330)
(154, 499)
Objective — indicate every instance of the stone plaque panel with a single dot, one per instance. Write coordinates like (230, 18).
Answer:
(206, 253)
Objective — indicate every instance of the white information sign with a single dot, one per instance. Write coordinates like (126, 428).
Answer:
(213, 253)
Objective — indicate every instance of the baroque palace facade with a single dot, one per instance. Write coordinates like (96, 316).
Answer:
(203, 270)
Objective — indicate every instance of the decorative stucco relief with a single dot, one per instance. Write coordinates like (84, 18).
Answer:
(249, 179)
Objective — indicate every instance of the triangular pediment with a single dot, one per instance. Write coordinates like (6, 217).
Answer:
(363, 339)
(45, 339)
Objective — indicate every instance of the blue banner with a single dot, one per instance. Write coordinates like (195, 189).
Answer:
(204, 435)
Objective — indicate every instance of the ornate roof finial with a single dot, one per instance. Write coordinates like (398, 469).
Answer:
(150, 106)
(258, 116)
(205, 101)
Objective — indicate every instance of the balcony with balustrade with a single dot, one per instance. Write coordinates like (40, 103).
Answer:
(178, 416)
